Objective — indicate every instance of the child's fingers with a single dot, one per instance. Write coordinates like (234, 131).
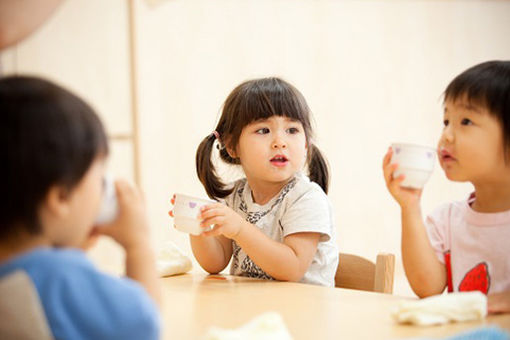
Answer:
(388, 171)
(211, 210)
(171, 213)
(122, 192)
(387, 157)
(217, 220)
(126, 192)
(172, 200)
(211, 206)
(395, 183)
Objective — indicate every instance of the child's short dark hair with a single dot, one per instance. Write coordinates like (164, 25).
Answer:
(49, 137)
(488, 85)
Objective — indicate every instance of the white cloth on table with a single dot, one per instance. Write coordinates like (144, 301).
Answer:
(171, 261)
(268, 326)
(440, 309)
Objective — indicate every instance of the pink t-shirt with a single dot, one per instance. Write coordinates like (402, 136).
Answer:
(474, 246)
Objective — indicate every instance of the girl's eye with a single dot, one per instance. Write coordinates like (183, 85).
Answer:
(262, 131)
(466, 121)
(292, 130)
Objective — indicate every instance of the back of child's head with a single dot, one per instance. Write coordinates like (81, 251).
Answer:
(485, 85)
(251, 101)
(49, 137)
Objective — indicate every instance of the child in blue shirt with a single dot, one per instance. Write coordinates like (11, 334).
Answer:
(53, 153)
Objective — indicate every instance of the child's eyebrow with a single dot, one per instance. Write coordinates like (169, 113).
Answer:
(292, 120)
(260, 120)
(471, 107)
(468, 106)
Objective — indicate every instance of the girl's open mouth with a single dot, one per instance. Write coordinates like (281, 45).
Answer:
(279, 160)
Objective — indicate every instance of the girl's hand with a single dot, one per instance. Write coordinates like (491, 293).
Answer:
(498, 303)
(225, 220)
(130, 228)
(405, 197)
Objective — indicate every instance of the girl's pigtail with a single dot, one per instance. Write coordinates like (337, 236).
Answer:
(318, 168)
(206, 171)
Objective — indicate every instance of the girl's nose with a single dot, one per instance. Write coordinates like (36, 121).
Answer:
(279, 143)
(448, 134)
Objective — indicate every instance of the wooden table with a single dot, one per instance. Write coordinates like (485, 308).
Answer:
(192, 303)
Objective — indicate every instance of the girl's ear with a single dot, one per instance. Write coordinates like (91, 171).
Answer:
(57, 201)
(231, 152)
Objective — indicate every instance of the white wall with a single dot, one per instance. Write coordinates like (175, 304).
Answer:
(372, 72)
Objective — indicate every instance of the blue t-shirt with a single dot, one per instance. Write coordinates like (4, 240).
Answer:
(80, 302)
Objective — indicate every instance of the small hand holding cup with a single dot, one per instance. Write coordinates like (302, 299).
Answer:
(406, 168)
(186, 213)
(225, 220)
(130, 226)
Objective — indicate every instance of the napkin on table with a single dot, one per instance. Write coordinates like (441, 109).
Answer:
(171, 261)
(267, 326)
(440, 309)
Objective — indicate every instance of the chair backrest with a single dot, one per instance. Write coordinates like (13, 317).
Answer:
(356, 272)
(22, 315)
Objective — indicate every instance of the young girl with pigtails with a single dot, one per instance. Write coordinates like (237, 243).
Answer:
(276, 222)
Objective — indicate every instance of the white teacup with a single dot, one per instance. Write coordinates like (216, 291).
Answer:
(109, 206)
(416, 162)
(186, 211)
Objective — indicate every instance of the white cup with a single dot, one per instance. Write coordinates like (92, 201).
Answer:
(109, 206)
(416, 162)
(186, 211)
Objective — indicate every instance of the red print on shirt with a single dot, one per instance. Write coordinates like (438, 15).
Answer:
(448, 264)
(477, 278)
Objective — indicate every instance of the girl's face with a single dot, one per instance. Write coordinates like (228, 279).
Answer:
(82, 207)
(271, 151)
(471, 145)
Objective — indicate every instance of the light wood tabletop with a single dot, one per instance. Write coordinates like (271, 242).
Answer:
(192, 303)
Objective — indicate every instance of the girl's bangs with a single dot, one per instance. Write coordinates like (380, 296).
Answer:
(277, 101)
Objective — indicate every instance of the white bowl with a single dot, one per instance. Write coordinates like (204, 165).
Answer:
(416, 162)
(186, 211)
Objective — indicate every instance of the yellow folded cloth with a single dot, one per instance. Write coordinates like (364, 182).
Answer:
(267, 326)
(171, 261)
(440, 309)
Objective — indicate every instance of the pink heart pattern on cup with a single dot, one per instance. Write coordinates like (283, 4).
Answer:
(192, 205)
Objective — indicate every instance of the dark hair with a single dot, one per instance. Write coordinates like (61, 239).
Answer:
(487, 85)
(250, 101)
(49, 137)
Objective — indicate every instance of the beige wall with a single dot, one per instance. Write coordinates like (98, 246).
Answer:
(372, 72)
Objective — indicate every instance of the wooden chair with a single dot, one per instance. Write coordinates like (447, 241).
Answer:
(356, 272)
(22, 315)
